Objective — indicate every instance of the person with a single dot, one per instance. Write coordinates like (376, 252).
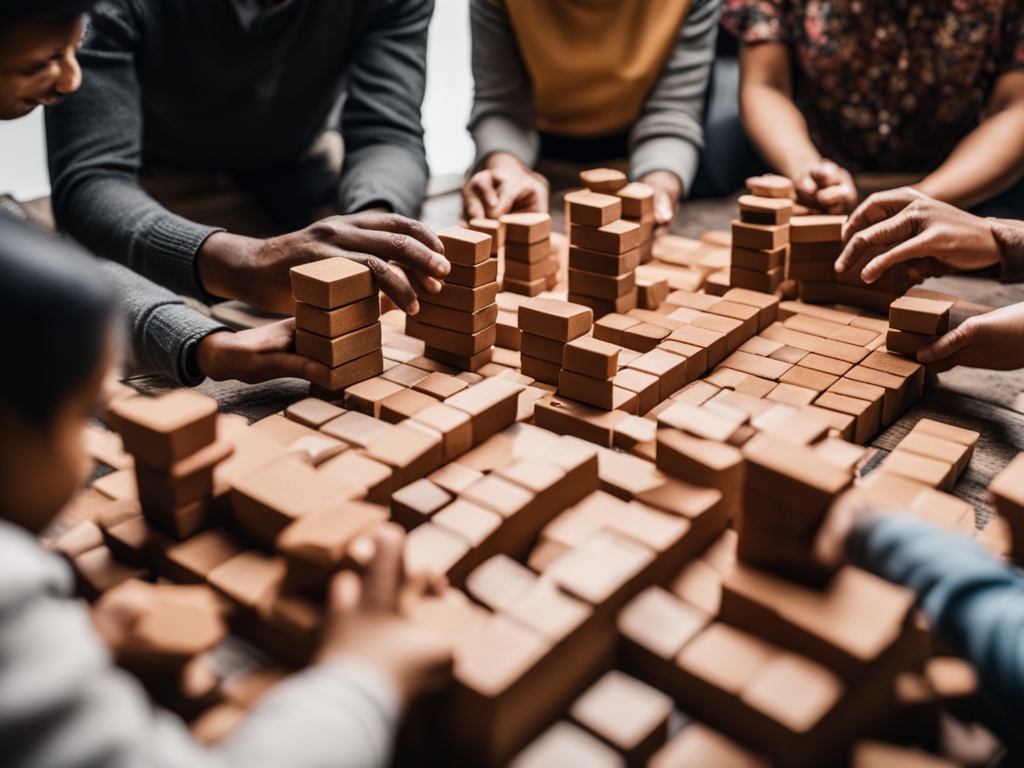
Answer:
(38, 66)
(974, 603)
(206, 143)
(564, 85)
(62, 703)
(935, 91)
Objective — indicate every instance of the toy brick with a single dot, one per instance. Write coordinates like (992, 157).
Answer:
(337, 322)
(191, 561)
(491, 404)
(660, 623)
(473, 276)
(930, 471)
(602, 307)
(600, 286)
(569, 417)
(671, 370)
(499, 582)
(756, 260)
(610, 328)
(360, 369)
(404, 405)
(530, 271)
(619, 237)
(453, 342)
(771, 185)
(540, 370)
(455, 362)
(554, 319)
(603, 180)
(637, 200)
(759, 237)
(468, 521)
(491, 227)
(966, 437)
(459, 297)
(699, 745)
(331, 283)
(530, 288)
(526, 228)
(922, 316)
(454, 319)
(375, 475)
(163, 430)
(645, 386)
(465, 247)
(763, 367)
(532, 253)
(312, 412)
(644, 337)
(816, 229)
(333, 352)
(593, 209)
(603, 263)
(591, 357)
(868, 416)
(410, 453)
(249, 578)
(366, 396)
(765, 210)
(906, 343)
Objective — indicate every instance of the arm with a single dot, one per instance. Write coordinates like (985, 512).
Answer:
(779, 131)
(95, 150)
(385, 160)
(975, 603)
(991, 157)
(669, 135)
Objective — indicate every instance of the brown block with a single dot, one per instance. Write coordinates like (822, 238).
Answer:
(404, 405)
(932, 472)
(644, 337)
(337, 351)
(454, 342)
(599, 393)
(249, 579)
(312, 412)
(868, 415)
(714, 341)
(704, 463)
(816, 229)
(465, 247)
(764, 367)
(526, 228)
(645, 386)
(417, 503)
(411, 453)
(616, 238)
(492, 405)
(591, 357)
(455, 320)
(767, 304)
(461, 362)
(491, 227)
(734, 330)
(452, 425)
(603, 263)
(671, 370)
(331, 283)
(749, 316)
(161, 431)
(528, 253)
(554, 319)
(459, 297)
(759, 237)
(906, 343)
(818, 271)
(758, 260)
(604, 180)
(541, 348)
(524, 272)
(192, 561)
(637, 200)
(593, 209)
(337, 322)
(765, 210)
(610, 328)
(600, 286)
(541, 370)
(525, 287)
(440, 386)
(570, 417)
(602, 307)
(936, 448)
(366, 396)
(375, 475)
(474, 276)
(161, 491)
(365, 367)
(765, 282)
(771, 185)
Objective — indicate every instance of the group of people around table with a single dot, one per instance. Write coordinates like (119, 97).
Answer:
(202, 148)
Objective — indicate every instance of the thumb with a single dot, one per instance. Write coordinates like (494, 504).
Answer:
(949, 344)
(344, 594)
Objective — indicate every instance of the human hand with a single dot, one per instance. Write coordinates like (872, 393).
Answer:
(830, 543)
(258, 271)
(365, 619)
(505, 185)
(668, 189)
(256, 355)
(904, 226)
(827, 186)
(992, 340)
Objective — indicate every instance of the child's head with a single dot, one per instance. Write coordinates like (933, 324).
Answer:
(55, 349)
(38, 43)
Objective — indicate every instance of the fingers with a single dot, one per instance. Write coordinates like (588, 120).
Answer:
(345, 593)
(480, 196)
(396, 241)
(393, 282)
(519, 195)
(392, 223)
(382, 584)
(907, 251)
(878, 207)
(664, 209)
(830, 543)
(950, 343)
(878, 237)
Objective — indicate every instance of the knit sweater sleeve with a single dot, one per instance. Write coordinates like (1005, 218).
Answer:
(669, 135)
(95, 149)
(503, 118)
(385, 158)
(975, 603)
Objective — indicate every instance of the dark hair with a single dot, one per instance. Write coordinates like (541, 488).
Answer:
(12, 11)
(56, 309)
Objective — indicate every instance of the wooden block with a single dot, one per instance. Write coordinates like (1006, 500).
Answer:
(816, 229)
(337, 351)
(540, 370)
(637, 200)
(491, 404)
(569, 417)
(758, 260)
(404, 405)
(161, 431)
(554, 319)
(409, 452)
(528, 253)
(529, 272)
(460, 362)
(526, 227)
(440, 386)
(645, 386)
(366, 396)
(331, 283)
(454, 426)
(932, 472)
(907, 343)
(524, 287)
(765, 282)
(337, 322)
(616, 238)
(760, 237)
(375, 475)
(765, 210)
(671, 371)
(600, 286)
(355, 428)
(161, 491)
(312, 412)
(459, 297)
(599, 393)
(499, 582)
(249, 578)
(360, 369)
(474, 276)
(644, 337)
(610, 328)
(593, 209)
(733, 329)
(591, 357)
(771, 185)
(493, 228)
(602, 307)
(465, 247)
(937, 448)
(453, 342)
(965, 437)
(541, 348)
(604, 180)
(603, 263)
(714, 341)
(192, 560)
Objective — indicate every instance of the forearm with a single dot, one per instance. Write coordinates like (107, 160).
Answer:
(986, 162)
(1009, 236)
(975, 603)
(777, 129)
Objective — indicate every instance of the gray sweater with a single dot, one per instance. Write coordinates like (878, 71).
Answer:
(64, 705)
(184, 83)
(669, 134)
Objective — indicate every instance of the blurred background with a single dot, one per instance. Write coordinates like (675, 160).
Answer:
(445, 112)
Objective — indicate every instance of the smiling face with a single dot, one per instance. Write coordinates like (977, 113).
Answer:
(38, 65)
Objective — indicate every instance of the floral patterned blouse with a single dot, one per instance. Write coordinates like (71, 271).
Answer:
(889, 85)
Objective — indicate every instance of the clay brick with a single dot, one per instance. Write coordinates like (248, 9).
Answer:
(699, 745)
(360, 369)
(491, 227)
(459, 297)
(933, 472)
(765, 210)
(553, 319)
(760, 261)
(433, 550)
(540, 370)
(499, 582)
(491, 404)
(456, 320)
(660, 623)
(409, 452)
(160, 431)
(637, 200)
(816, 229)
(591, 357)
(526, 227)
(455, 362)
(191, 561)
(771, 185)
(313, 412)
(600, 286)
(532, 253)
(337, 322)
(249, 578)
(592, 209)
(906, 343)
(920, 316)
(670, 369)
(376, 475)
(417, 502)
(465, 247)
(474, 276)
(759, 237)
(603, 263)
(468, 521)
(645, 386)
(618, 237)
(604, 180)
(404, 405)
(355, 428)
(331, 283)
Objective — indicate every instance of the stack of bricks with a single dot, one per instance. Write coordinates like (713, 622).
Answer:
(917, 320)
(173, 439)
(337, 319)
(589, 367)
(932, 453)
(547, 325)
(458, 324)
(638, 206)
(604, 253)
(760, 239)
(530, 265)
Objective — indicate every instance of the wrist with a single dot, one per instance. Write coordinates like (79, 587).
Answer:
(504, 160)
(208, 354)
(222, 260)
(666, 181)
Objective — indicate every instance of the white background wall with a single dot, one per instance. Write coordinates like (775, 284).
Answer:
(445, 111)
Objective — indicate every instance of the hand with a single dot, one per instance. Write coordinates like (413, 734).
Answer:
(117, 611)
(994, 340)
(505, 185)
(830, 543)
(256, 355)
(668, 189)
(904, 226)
(365, 620)
(258, 271)
(827, 186)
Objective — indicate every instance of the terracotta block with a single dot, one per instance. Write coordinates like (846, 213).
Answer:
(540, 370)
(455, 320)
(799, 376)
(366, 396)
(465, 247)
(405, 375)
(591, 357)
(933, 472)
(499, 582)
(760, 237)
(602, 307)
(766, 282)
(160, 431)
(191, 561)
(795, 692)
(868, 415)
(161, 491)
(312, 412)
(375, 475)
(79, 539)
(600, 286)
(433, 550)
(137, 543)
(331, 283)
(532, 253)
(702, 462)
(816, 228)
(644, 337)
(474, 276)
(659, 623)
(553, 319)
(672, 371)
(492, 405)
(355, 428)
(417, 502)
(491, 227)
(404, 405)
(249, 579)
(604, 180)
(699, 745)
(593, 209)
(791, 394)
(618, 237)
(530, 272)
(771, 185)
(637, 200)
(526, 227)
(337, 322)
(906, 343)
(409, 452)
(360, 369)
(459, 297)
(726, 658)
(759, 261)
(603, 263)
(534, 287)
(628, 714)
(763, 367)
(540, 348)
(921, 316)
(457, 362)
(765, 210)
(597, 392)
(107, 447)
(566, 744)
